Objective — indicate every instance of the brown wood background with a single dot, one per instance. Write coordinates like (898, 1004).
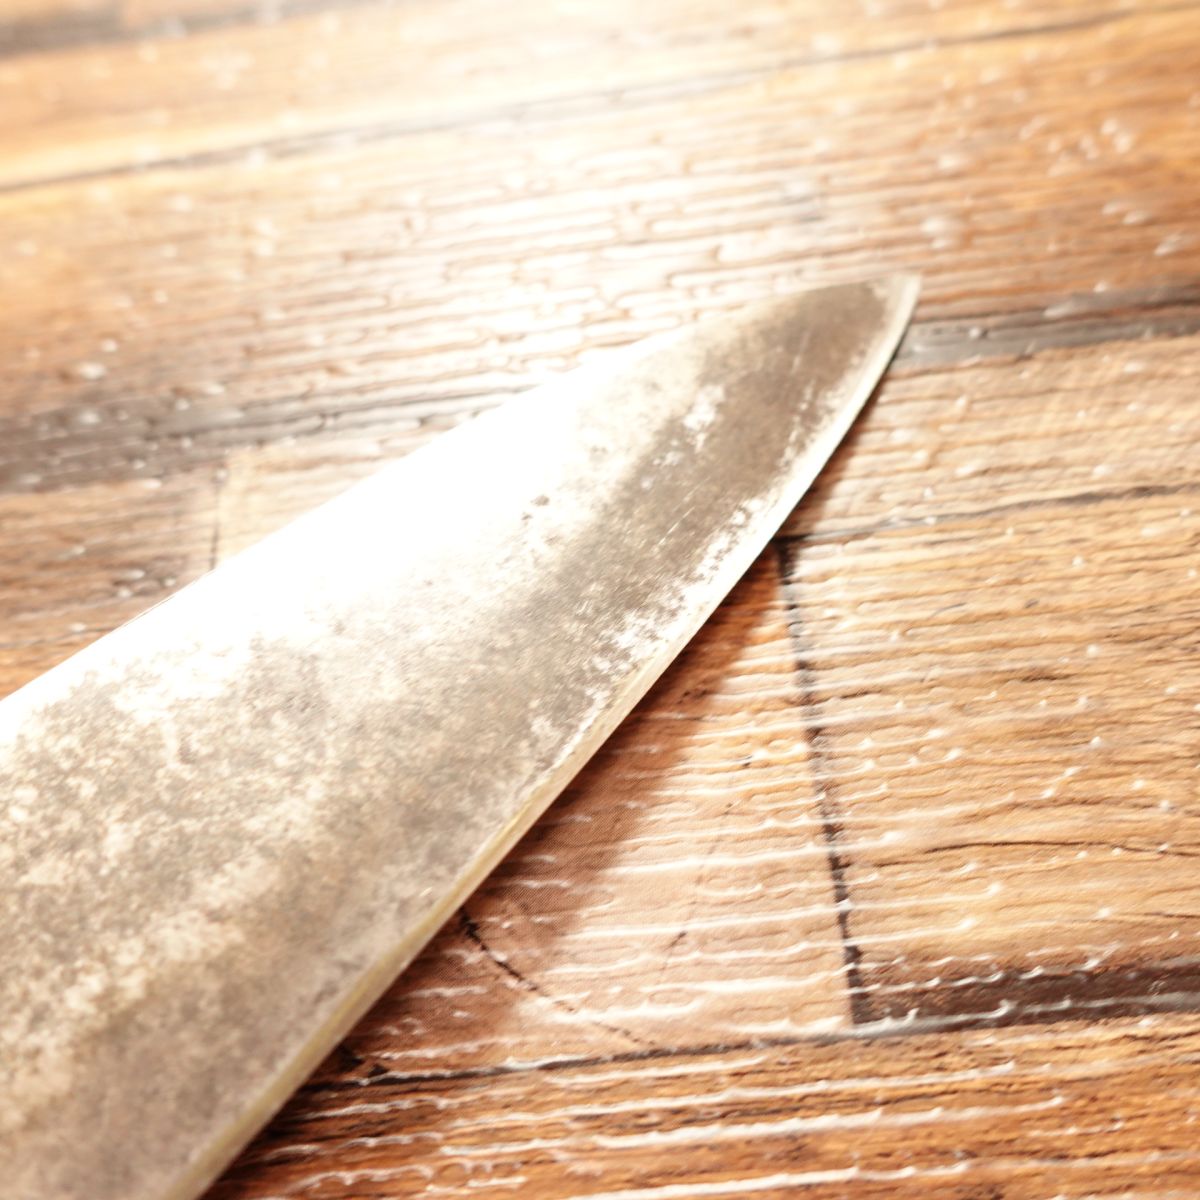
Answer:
(890, 888)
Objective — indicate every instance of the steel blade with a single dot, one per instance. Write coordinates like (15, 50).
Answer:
(230, 823)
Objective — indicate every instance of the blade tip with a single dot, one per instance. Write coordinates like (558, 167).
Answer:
(899, 289)
(896, 293)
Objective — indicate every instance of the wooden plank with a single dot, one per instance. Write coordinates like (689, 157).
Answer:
(251, 251)
(966, 18)
(344, 291)
(1071, 1111)
(163, 80)
(999, 649)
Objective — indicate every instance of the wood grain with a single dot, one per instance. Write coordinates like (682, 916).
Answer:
(211, 77)
(885, 889)
(1077, 1111)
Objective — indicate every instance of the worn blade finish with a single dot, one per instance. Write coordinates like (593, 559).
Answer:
(228, 824)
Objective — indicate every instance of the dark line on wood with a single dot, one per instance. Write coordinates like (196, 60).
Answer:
(1074, 500)
(51, 453)
(1013, 996)
(471, 932)
(149, 439)
(61, 30)
(72, 30)
(1133, 314)
(572, 105)
(1016, 32)
(888, 1029)
(827, 807)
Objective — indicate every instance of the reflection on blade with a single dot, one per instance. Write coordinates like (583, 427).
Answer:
(235, 819)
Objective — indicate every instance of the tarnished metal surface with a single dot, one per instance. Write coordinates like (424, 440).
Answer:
(227, 825)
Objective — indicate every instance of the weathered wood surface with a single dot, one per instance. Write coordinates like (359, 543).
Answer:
(887, 888)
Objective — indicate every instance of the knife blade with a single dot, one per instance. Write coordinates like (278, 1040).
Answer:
(230, 823)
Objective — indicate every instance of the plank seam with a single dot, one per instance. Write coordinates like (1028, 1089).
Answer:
(934, 520)
(848, 1035)
(1165, 315)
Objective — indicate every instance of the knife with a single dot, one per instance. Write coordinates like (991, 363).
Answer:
(230, 823)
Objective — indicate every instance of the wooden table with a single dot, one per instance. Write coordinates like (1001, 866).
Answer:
(890, 888)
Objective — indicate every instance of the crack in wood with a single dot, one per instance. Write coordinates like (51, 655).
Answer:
(826, 803)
